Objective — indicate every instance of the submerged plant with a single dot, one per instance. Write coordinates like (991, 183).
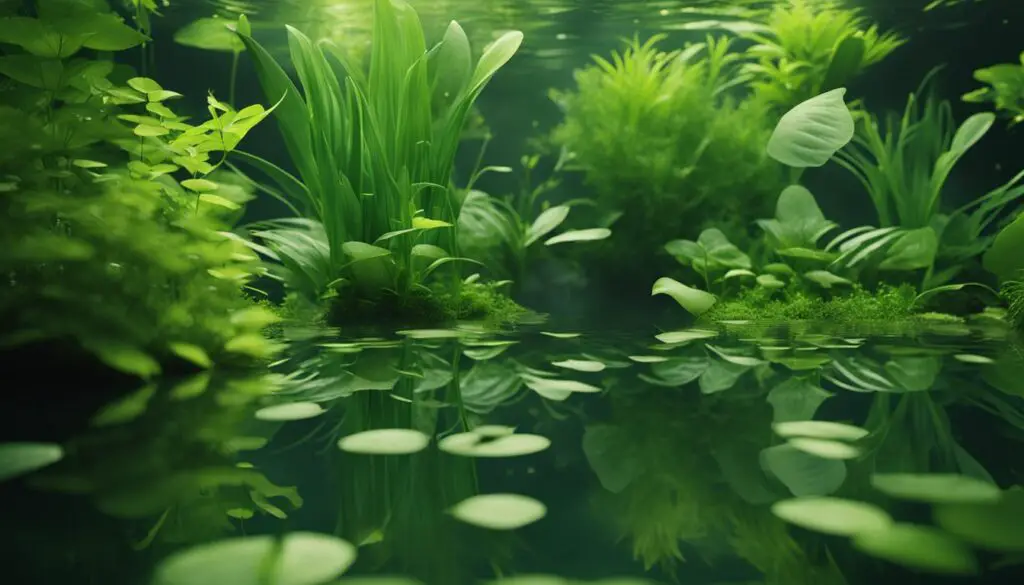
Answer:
(374, 152)
(661, 143)
(809, 47)
(1005, 89)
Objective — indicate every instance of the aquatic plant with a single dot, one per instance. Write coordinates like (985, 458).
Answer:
(1005, 89)
(809, 47)
(904, 171)
(101, 245)
(374, 152)
(662, 144)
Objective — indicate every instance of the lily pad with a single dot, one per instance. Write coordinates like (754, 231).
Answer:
(499, 511)
(385, 442)
(477, 444)
(832, 515)
(290, 411)
(936, 488)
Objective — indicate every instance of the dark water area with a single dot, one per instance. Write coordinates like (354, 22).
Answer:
(615, 439)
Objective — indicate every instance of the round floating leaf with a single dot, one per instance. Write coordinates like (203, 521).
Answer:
(936, 488)
(290, 411)
(696, 301)
(819, 429)
(477, 444)
(385, 442)
(499, 511)
(832, 515)
(995, 526)
(813, 131)
(301, 558)
(824, 448)
(918, 547)
(22, 458)
(803, 474)
(580, 365)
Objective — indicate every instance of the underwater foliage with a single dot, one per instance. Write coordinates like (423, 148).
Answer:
(660, 142)
(100, 244)
(1005, 89)
(374, 151)
(808, 47)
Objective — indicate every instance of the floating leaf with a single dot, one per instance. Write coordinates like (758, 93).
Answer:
(825, 448)
(587, 235)
(557, 389)
(696, 301)
(580, 365)
(936, 488)
(290, 411)
(918, 547)
(18, 459)
(832, 515)
(477, 444)
(385, 442)
(685, 336)
(995, 526)
(810, 133)
(820, 429)
(299, 558)
(499, 511)
(803, 474)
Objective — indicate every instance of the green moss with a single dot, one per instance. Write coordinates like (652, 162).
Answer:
(474, 301)
(888, 303)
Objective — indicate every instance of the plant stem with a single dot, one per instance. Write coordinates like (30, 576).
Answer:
(234, 76)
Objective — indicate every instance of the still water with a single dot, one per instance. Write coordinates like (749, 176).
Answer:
(649, 455)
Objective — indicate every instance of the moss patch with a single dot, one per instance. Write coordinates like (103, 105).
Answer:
(888, 303)
(475, 301)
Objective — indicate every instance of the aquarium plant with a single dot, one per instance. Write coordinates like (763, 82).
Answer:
(808, 47)
(1005, 89)
(662, 144)
(376, 212)
(102, 243)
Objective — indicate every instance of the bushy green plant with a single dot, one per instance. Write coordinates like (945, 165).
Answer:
(660, 142)
(808, 47)
(374, 151)
(105, 248)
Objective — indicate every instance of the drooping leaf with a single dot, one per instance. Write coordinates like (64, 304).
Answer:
(813, 131)
(696, 301)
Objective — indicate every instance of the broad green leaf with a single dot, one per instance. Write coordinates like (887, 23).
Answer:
(826, 279)
(143, 84)
(218, 201)
(819, 429)
(970, 358)
(824, 448)
(88, 164)
(587, 235)
(798, 223)
(580, 365)
(499, 511)
(936, 488)
(360, 251)
(146, 130)
(994, 526)
(126, 358)
(18, 459)
(918, 547)
(211, 34)
(425, 223)
(803, 474)
(450, 65)
(290, 411)
(846, 62)
(914, 373)
(813, 131)
(385, 442)
(648, 359)
(720, 375)
(685, 336)
(680, 371)
(553, 389)
(36, 72)
(159, 96)
(770, 281)
(298, 558)
(832, 515)
(1004, 258)
(696, 301)
(548, 220)
(606, 448)
(494, 57)
(199, 185)
(125, 409)
(429, 251)
(796, 399)
(913, 250)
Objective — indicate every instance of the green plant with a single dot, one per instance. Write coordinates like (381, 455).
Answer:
(809, 47)
(501, 233)
(905, 170)
(375, 151)
(1005, 89)
(107, 249)
(214, 34)
(660, 141)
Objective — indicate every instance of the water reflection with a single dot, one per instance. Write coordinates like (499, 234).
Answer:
(689, 451)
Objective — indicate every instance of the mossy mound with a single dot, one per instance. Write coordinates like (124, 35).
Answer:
(888, 303)
(474, 301)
